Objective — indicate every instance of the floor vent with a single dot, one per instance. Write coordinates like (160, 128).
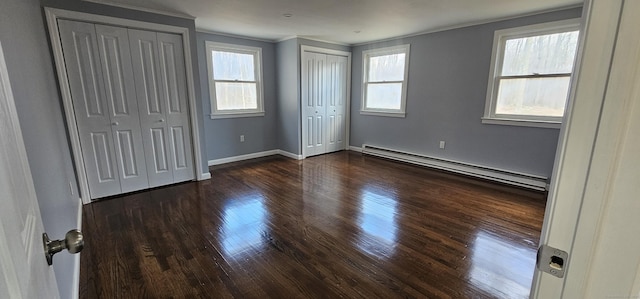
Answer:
(499, 175)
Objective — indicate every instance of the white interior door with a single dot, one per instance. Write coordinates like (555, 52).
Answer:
(152, 104)
(24, 272)
(314, 96)
(172, 72)
(113, 45)
(80, 47)
(336, 101)
(593, 202)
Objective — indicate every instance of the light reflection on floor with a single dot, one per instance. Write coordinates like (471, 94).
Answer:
(493, 259)
(243, 224)
(377, 221)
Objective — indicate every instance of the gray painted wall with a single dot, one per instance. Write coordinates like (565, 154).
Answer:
(223, 135)
(288, 125)
(118, 12)
(289, 82)
(447, 85)
(35, 90)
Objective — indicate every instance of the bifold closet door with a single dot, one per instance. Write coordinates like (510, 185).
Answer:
(324, 96)
(161, 92)
(314, 92)
(99, 69)
(336, 101)
(172, 73)
(113, 45)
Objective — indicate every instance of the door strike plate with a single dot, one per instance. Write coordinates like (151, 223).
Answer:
(552, 260)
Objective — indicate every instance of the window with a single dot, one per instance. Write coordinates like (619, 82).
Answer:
(384, 89)
(235, 86)
(530, 74)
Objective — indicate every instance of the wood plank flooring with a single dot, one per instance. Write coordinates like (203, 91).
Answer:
(340, 225)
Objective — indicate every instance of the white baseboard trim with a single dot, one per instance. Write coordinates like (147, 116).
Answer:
(355, 148)
(289, 155)
(76, 257)
(494, 174)
(243, 157)
(204, 176)
(249, 156)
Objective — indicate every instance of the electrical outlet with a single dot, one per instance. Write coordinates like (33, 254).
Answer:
(241, 138)
(442, 144)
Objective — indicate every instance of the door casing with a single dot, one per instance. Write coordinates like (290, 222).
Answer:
(52, 15)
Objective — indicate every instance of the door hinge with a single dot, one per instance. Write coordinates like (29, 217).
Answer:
(552, 260)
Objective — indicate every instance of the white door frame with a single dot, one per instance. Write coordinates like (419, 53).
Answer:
(590, 210)
(53, 14)
(311, 49)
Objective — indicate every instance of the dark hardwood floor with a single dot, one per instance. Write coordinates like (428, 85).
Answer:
(334, 226)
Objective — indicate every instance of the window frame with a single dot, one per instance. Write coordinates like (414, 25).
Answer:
(497, 59)
(366, 55)
(257, 66)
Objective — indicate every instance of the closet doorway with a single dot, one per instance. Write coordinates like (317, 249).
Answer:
(128, 95)
(325, 100)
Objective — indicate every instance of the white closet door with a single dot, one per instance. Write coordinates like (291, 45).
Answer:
(174, 83)
(336, 101)
(117, 71)
(152, 104)
(313, 103)
(80, 49)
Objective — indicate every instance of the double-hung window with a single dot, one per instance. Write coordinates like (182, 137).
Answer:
(235, 80)
(530, 74)
(384, 87)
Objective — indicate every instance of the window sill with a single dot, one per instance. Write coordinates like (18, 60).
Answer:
(522, 123)
(236, 115)
(379, 113)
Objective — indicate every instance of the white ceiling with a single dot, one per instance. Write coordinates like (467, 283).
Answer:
(341, 21)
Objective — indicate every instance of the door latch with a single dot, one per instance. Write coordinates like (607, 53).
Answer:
(552, 260)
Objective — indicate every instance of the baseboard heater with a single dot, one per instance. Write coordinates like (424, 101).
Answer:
(499, 175)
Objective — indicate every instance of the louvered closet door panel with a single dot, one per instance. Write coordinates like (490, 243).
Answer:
(82, 59)
(313, 103)
(152, 105)
(174, 84)
(336, 99)
(115, 56)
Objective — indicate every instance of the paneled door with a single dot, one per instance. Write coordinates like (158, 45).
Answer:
(92, 111)
(152, 105)
(336, 101)
(172, 72)
(113, 45)
(158, 66)
(324, 96)
(130, 102)
(24, 272)
(314, 95)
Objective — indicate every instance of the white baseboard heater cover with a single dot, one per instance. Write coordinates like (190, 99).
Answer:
(499, 175)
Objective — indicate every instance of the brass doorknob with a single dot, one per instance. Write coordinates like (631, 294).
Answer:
(73, 242)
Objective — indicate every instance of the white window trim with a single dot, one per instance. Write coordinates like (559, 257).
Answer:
(497, 55)
(257, 64)
(365, 68)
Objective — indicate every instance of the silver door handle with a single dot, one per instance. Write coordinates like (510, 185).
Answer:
(115, 123)
(73, 242)
(161, 120)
